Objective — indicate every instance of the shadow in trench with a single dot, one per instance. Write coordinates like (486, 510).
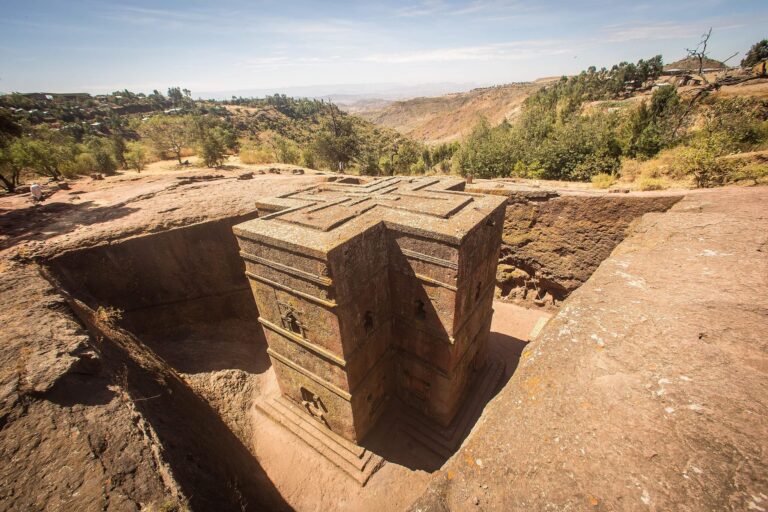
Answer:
(211, 465)
(393, 440)
(204, 335)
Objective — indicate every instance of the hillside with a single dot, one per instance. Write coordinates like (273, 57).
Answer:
(450, 117)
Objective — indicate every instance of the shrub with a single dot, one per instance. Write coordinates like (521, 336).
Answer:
(286, 151)
(647, 183)
(702, 163)
(418, 168)
(369, 165)
(256, 155)
(603, 180)
(136, 156)
(82, 164)
(756, 172)
(308, 159)
(213, 149)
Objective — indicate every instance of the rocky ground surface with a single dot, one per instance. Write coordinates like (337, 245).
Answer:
(648, 391)
(74, 432)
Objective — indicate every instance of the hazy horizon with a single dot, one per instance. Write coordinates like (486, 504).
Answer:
(353, 47)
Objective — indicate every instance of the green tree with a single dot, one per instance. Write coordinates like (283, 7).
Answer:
(118, 149)
(337, 142)
(9, 168)
(9, 128)
(286, 151)
(702, 161)
(102, 152)
(486, 153)
(45, 152)
(212, 146)
(308, 158)
(136, 156)
(757, 53)
(408, 153)
(180, 97)
(168, 134)
(650, 128)
(369, 165)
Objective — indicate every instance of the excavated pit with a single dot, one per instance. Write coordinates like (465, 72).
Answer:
(166, 309)
(177, 328)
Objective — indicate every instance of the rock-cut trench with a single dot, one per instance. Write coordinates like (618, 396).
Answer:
(175, 325)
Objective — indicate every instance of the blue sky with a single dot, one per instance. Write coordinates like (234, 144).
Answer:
(228, 45)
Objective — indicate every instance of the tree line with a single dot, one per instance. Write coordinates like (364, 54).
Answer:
(578, 129)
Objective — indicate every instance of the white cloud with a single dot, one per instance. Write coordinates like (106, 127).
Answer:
(278, 61)
(440, 7)
(501, 51)
(626, 32)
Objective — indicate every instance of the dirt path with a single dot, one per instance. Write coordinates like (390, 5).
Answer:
(649, 390)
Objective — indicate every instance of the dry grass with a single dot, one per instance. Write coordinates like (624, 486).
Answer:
(664, 171)
(256, 155)
(603, 180)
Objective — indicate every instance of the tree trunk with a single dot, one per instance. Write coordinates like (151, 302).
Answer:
(10, 186)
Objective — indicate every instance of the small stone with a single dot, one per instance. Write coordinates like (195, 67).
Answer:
(476, 500)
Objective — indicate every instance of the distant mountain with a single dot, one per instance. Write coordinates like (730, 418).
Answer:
(346, 93)
(450, 117)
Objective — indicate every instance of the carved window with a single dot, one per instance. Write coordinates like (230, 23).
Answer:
(313, 404)
(420, 312)
(292, 323)
(290, 318)
(368, 322)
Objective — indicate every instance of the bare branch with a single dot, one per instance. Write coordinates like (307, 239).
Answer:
(700, 52)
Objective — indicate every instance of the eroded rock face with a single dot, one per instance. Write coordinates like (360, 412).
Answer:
(649, 388)
(70, 438)
(552, 244)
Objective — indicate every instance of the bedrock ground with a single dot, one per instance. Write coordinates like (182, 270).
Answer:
(645, 391)
(648, 390)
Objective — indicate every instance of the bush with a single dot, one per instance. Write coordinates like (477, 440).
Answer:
(755, 172)
(256, 155)
(136, 156)
(213, 148)
(369, 165)
(418, 168)
(286, 151)
(603, 180)
(81, 165)
(646, 183)
(701, 161)
(308, 159)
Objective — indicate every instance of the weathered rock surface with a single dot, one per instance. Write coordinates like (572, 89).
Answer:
(552, 244)
(69, 438)
(85, 422)
(649, 390)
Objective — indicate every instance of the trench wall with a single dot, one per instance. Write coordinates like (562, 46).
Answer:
(188, 275)
(552, 244)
